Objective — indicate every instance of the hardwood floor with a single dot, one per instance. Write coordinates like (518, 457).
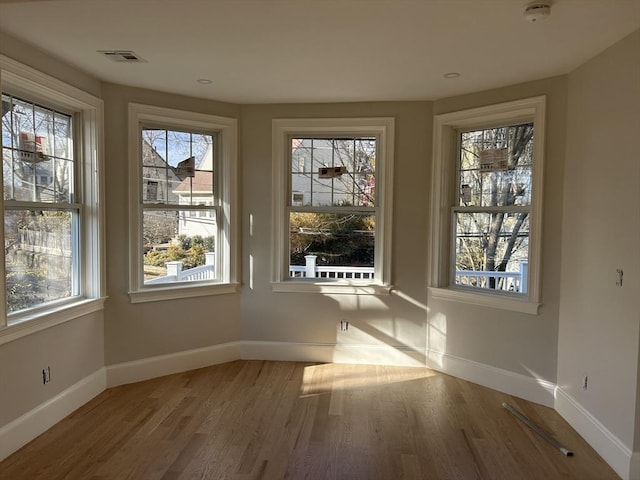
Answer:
(285, 420)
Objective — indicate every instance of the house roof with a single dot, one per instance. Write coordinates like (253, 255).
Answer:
(201, 182)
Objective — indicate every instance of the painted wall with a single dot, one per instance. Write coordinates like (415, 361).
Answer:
(599, 321)
(44, 62)
(398, 319)
(72, 350)
(517, 342)
(138, 331)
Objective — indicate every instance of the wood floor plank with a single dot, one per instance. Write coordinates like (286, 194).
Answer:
(258, 420)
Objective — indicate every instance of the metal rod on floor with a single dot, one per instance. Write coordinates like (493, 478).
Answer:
(538, 430)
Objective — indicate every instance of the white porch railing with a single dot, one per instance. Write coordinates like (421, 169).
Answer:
(176, 274)
(505, 281)
(311, 270)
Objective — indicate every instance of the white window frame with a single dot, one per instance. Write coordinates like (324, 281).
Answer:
(283, 130)
(225, 134)
(447, 128)
(34, 86)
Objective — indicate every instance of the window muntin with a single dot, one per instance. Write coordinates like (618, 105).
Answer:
(42, 224)
(491, 215)
(179, 227)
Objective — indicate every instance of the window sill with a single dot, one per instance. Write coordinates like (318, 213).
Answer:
(331, 288)
(30, 323)
(486, 300)
(174, 293)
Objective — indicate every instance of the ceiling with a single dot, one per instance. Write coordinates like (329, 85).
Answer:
(271, 51)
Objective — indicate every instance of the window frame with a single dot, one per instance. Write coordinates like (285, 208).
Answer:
(383, 128)
(25, 82)
(446, 132)
(224, 131)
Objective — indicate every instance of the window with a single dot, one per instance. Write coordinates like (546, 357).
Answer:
(332, 204)
(486, 218)
(183, 225)
(51, 154)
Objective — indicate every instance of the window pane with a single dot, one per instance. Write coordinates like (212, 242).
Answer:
(343, 244)
(322, 153)
(495, 166)
(179, 245)
(353, 185)
(492, 250)
(177, 167)
(37, 152)
(39, 262)
(343, 153)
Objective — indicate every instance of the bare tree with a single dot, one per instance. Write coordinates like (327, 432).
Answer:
(489, 238)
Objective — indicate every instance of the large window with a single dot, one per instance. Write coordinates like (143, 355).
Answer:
(50, 190)
(333, 189)
(182, 180)
(487, 205)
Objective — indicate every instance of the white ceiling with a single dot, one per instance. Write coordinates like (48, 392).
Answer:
(265, 51)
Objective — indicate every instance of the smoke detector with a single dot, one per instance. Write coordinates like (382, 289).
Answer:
(537, 11)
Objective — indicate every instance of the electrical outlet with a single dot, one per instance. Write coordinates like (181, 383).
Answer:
(585, 382)
(46, 375)
(344, 325)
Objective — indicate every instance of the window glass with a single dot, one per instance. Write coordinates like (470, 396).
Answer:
(491, 236)
(41, 220)
(332, 215)
(179, 238)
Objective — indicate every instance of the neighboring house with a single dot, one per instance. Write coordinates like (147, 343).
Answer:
(162, 184)
(158, 177)
(197, 190)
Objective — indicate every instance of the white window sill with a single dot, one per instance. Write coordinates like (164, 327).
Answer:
(331, 288)
(502, 302)
(30, 323)
(177, 292)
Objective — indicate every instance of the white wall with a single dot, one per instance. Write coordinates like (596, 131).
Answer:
(459, 336)
(73, 350)
(143, 330)
(313, 319)
(516, 342)
(599, 321)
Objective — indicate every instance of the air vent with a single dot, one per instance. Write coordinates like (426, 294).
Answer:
(122, 56)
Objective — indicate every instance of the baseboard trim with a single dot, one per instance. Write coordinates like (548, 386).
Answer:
(533, 389)
(332, 353)
(36, 421)
(610, 448)
(152, 367)
(634, 470)
(530, 388)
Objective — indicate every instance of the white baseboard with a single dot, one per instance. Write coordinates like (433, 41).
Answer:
(147, 368)
(533, 389)
(610, 448)
(25, 428)
(634, 470)
(536, 390)
(332, 353)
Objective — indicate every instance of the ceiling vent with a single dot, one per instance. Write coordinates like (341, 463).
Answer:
(122, 56)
